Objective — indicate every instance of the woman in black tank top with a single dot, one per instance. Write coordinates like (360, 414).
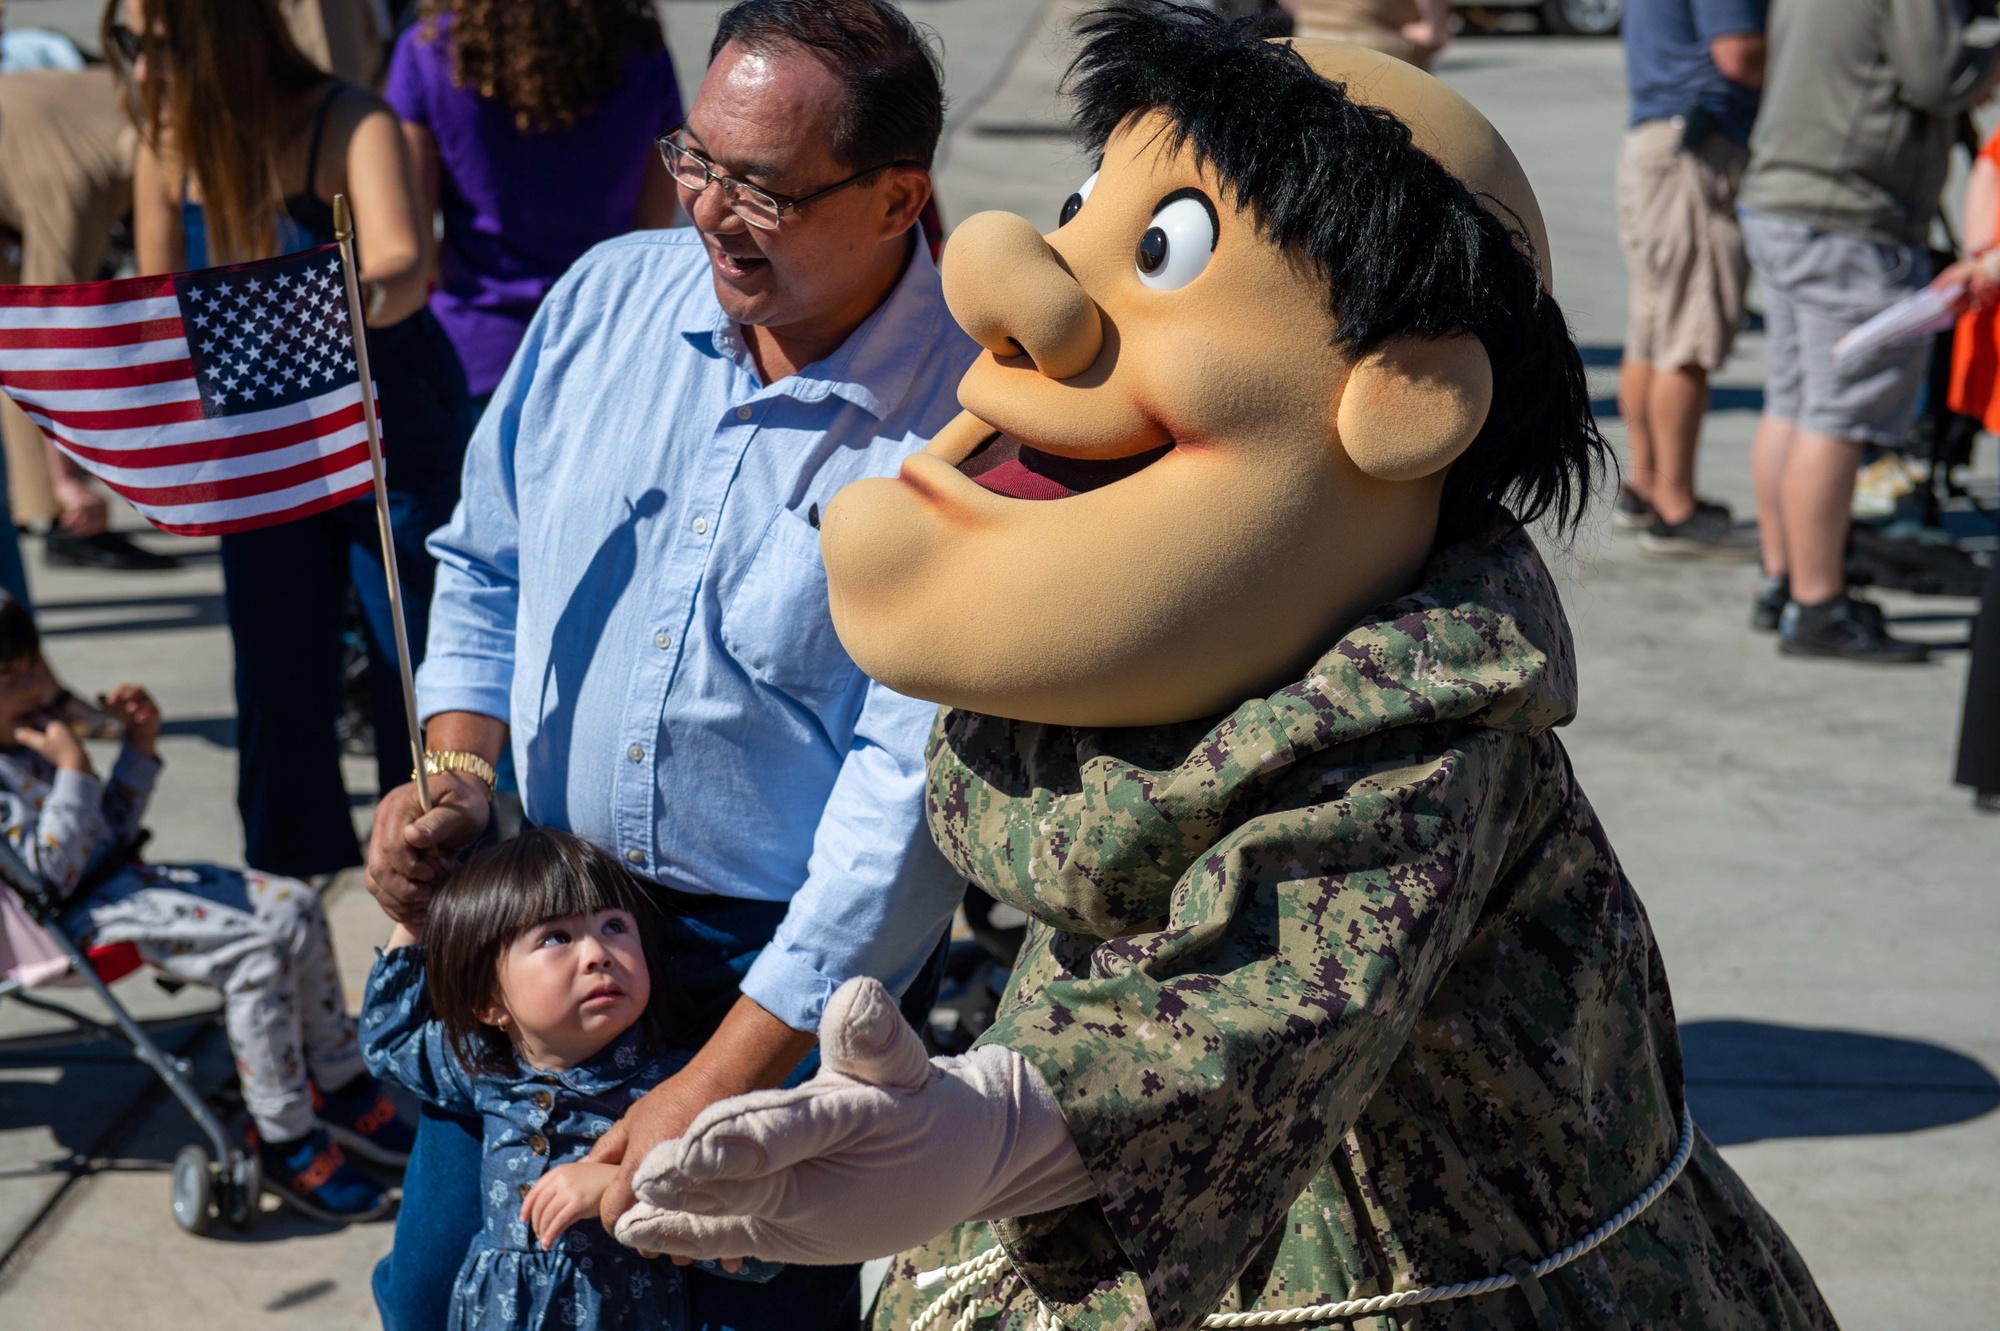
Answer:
(201, 173)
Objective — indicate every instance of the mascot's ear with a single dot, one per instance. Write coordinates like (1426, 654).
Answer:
(1410, 407)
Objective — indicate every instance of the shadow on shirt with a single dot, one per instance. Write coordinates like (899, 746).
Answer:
(573, 647)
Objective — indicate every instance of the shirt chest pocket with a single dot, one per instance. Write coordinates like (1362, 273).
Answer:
(777, 624)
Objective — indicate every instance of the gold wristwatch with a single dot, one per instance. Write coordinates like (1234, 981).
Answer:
(454, 760)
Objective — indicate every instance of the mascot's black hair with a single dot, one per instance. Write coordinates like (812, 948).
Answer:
(1406, 248)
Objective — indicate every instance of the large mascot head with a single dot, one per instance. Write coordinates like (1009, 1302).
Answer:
(1296, 321)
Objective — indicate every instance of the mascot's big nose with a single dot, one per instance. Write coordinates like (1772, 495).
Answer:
(1010, 291)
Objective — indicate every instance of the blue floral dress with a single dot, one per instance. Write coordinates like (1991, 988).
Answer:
(534, 1120)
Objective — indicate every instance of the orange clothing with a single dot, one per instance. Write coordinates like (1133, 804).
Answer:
(1975, 347)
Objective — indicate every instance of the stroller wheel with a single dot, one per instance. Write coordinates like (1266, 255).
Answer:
(241, 1190)
(194, 1190)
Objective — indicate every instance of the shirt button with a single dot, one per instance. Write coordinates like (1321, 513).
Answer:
(635, 856)
(543, 1100)
(663, 640)
(525, 1188)
(636, 753)
(538, 1144)
(701, 526)
(743, 413)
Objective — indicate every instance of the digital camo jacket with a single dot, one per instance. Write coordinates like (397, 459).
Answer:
(1346, 994)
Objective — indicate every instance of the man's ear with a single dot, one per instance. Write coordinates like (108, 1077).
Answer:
(1410, 407)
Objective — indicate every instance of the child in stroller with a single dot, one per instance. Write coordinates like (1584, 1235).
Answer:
(261, 940)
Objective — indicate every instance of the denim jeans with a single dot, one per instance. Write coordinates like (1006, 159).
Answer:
(707, 945)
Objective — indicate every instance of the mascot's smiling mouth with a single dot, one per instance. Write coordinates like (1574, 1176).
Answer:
(1006, 466)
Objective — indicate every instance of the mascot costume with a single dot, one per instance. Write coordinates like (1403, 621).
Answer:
(1334, 1001)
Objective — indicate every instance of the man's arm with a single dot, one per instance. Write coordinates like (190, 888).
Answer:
(1739, 57)
(876, 899)
(1935, 71)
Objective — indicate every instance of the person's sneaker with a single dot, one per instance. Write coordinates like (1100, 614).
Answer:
(1847, 629)
(1629, 512)
(107, 549)
(360, 1117)
(314, 1178)
(1708, 533)
(1772, 594)
(1986, 801)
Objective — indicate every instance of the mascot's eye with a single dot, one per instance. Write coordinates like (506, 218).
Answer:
(1074, 202)
(1176, 247)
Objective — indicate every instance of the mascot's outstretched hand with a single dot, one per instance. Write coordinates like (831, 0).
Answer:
(879, 1152)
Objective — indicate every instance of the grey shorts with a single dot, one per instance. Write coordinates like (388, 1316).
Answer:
(1819, 285)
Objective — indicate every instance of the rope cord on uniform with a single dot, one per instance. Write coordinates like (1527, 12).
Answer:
(963, 1277)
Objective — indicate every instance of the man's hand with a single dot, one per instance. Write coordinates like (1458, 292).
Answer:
(750, 1051)
(410, 852)
(881, 1151)
(563, 1196)
(57, 743)
(138, 714)
(1981, 276)
(84, 512)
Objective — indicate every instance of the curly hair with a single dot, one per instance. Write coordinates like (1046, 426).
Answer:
(548, 61)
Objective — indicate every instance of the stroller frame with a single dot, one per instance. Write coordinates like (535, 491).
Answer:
(223, 1181)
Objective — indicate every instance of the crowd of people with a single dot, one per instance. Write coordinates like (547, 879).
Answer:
(1809, 145)
(609, 443)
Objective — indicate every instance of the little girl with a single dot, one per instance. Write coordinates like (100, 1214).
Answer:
(528, 1001)
(261, 940)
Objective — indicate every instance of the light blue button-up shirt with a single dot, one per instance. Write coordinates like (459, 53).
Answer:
(633, 582)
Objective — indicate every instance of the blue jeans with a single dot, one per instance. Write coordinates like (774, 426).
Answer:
(13, 577)
(285, 589)
(707, 945)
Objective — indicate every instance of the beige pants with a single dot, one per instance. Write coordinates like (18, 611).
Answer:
(1375, 24)
(1683, 246)
(65, 176)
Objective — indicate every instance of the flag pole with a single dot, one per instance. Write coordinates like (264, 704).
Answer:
(343, 231)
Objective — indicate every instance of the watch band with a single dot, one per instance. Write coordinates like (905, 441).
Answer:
(455, 760)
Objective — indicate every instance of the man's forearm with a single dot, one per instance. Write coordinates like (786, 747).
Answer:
(466, 732)
(751, 1051)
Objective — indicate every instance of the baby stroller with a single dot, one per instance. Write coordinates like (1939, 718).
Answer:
(223, 1181)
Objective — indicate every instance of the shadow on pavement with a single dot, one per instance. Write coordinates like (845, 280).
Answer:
(172, 610)
(1754, 1081)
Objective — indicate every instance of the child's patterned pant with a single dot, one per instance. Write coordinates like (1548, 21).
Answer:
(263, 942)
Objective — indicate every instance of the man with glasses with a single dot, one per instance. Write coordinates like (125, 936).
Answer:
(631, 596)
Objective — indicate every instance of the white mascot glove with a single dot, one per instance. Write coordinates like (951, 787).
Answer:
(881, 1151)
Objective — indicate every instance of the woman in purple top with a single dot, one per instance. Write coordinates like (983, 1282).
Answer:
(532, 124)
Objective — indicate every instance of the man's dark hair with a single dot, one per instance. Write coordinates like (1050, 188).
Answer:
(895, 90)
(1405, 247)
(496, 896)
(20, 640)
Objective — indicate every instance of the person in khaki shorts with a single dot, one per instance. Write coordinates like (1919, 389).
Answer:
(1693, 68)
(1414, 31)
(66, 150)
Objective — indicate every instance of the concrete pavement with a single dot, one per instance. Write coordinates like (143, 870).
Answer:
(1824, 896)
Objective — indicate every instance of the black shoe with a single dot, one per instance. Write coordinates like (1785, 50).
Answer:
(107, 549)
(1847, 629)
(1708, 533)
(1986, 801)
(1629, 512)
(1772, 593)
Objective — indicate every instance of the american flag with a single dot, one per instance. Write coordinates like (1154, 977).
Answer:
(215, 401)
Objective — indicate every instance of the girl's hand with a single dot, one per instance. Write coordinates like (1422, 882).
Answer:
(139, 714)
(59, 744)
(563, 1196)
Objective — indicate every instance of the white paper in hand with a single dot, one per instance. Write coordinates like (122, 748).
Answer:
(1912, 319)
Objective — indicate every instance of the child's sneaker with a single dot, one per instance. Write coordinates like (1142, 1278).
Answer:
(313, 1177)
(361, 1118)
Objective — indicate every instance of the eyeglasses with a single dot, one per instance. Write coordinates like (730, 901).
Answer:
(759, 207)
(129, 43)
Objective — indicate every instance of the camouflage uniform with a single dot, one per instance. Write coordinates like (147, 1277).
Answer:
(1347, 994)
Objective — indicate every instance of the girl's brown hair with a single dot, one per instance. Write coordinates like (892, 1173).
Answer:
(498, 895)
(225, 93)
(548, 61)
